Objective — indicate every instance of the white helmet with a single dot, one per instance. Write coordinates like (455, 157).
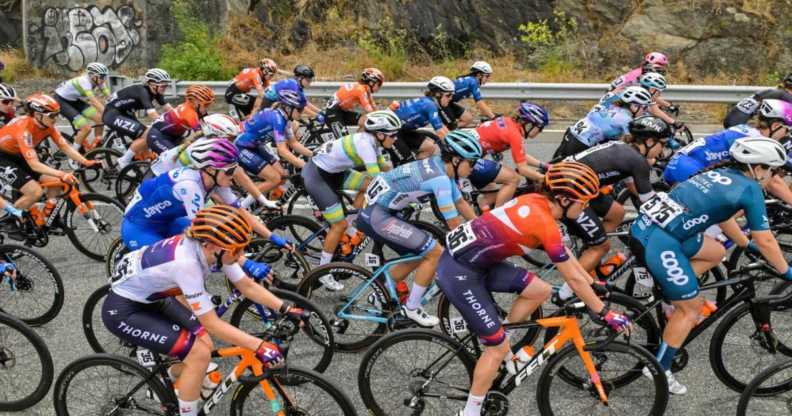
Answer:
(97, 68)
(758, 150)
(220, 125)
(157, 76)
(385, 121)
(439, 83)
(481, 66)
(636, 95)
(653, 80)
(772, 109)
(7, 93)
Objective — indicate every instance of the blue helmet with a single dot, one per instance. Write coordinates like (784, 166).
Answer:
(534, 114)
(463, 143)
(291, 98)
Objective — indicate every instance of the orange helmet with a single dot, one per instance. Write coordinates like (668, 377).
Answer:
(372, 75)
(572, 179)
(200, 93)
(222, 225)
(41, 103)
(268, 66)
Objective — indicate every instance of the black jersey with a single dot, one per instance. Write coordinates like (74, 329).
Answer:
(614, 161)
(746, 108)
(134, 98)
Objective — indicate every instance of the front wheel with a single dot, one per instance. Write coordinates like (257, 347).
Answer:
(752, 402)
(102, 178)
(35, 295)
(26, 368)
(129, 178)
(94, 225)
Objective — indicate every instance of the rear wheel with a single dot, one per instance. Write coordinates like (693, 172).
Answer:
(129, 178)
(101, 179)
(93, 229)
(35, 295)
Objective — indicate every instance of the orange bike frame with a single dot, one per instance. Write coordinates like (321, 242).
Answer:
(69, 191)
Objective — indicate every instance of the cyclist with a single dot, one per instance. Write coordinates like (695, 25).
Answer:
(238, 92)
(333, 169)
(653, 62)
(119, 114)
(340, 108)
(8, 102)
(163, 206)
(141, 309)
(396, 189)
(80, 105)
(454, 115)
(181, 123)
(614, 162)
(303, 77)
(417, 113)
(503, 133)
(748, 107)
(19, 139)
(603, 124)
(473, 265)
(668, 235)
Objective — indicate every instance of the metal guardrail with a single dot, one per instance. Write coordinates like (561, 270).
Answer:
(503, 91)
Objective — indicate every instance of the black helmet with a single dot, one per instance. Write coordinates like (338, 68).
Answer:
(788, 81)
(303, 71)
(646, 127)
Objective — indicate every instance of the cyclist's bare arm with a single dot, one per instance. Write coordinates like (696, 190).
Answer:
(227, 332)
(259, 99)
(465, 209)
(655, 110)
(779, 189)
(243, 180)
(296, 145)
(258, 293)
(524, 170)
(770, 250)
(579, 281)
(484, 109)
(71, 153)
(286, 153)
(99, 105)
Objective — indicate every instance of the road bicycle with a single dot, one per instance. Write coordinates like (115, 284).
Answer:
(26, 368)
(769, 393)
(33, 291)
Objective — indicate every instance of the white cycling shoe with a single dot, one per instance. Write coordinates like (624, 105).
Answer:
(420, 316)
(674, 386)
(330, 283)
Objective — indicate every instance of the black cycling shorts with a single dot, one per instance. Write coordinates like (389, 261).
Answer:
(569, 146)
(588, 226)
(242, 102)
(123, 124)
(15, 172)
(160, 142)
(451, 114)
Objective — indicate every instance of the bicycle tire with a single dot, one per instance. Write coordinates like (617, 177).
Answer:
(306, 234)
(9, 360)
(317, 330)
(730, 375)
(374, 401)
(294, 378)
(106, 176)
(163, 404)
(577, 394)
(29, 286)
(116, 250)
(99, 338)
(129, 177)
(109, 227)
(751, 390)
(328, 302)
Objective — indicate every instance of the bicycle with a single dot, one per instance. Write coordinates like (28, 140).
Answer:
(418, 371)
(33, 292)
(24, 358)
(145, 386)
(758, 399)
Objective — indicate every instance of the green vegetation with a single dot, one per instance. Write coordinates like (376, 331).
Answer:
(387, 48)
(553, 44)
(197, 55)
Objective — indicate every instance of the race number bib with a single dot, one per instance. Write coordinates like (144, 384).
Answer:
(460, 237)
(376, 189)
(581, 127)
(127, 266)
(465, 185)
(748, 105)
(661, 209)
(325, 148)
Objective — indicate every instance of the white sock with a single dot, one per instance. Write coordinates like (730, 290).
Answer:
(416, 293)
(191, 408)
(351, 231)
(473, 405)
(128, 155)
(565, 292)
(326, 258)
(76, 146)
(247, 201)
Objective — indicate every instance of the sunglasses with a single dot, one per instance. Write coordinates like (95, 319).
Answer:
(7, 102)
(53, 114)
(229, 171)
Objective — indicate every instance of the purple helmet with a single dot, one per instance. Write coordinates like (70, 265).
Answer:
(218, 153)
(292, 98)
(534, 114)
(772, 109)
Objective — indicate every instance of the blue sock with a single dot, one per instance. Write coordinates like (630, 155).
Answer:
(665, 355)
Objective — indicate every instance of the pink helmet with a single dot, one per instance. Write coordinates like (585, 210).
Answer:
(217, 152)
(656, 59)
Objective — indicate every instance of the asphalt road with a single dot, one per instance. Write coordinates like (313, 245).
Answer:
(81, 276)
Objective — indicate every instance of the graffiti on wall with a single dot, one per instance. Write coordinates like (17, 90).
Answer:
(74, 37)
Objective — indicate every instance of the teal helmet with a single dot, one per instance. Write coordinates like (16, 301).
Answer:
(463, 143)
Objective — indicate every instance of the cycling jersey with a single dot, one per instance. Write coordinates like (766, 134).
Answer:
(602, 125)
(467, 86)
(23, 135)
(704, 152)
(80, 88)
(500, 134)
(513, 229)
(399, 187)
(747, 107)
(265, 126)
(133, 98)
(352, 151)
(614, 161)
(6, 118)
(171, 159)
(417, 113)
(627, 80)
(179, 122)
(351, 94)
(248, 79)
(271, 93)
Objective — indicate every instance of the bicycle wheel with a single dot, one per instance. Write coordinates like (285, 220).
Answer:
(103, 178)
(93, 232)
(738, 348)
(104, 384)
(306, 234)
(129, 178)
(357, 332)
(26, 369)
(37, 295)
(114, 253)
(415, 371)
(642, 396)
(299, 392)
(300, 203)
(752, 402)
(99, 338)
(312, 347)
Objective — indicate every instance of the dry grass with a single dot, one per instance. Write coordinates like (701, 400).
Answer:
(18, 68)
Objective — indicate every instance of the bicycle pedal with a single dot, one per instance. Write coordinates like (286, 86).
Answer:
(399, 321)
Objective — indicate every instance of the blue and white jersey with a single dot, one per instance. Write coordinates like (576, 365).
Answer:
(602, 124)
(271, 93)
(268, 125)
(465, 87)
(714, 148)
(418, 112)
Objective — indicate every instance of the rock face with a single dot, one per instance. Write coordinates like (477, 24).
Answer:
(11, 26)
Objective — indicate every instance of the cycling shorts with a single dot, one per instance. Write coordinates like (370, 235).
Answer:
(415, 138)
(402, 237)
(680, 168)
(667, 259)
(347, 118)
(160, 142)
(78, 112)
(136, 235)
(166, 327)
(324, 189)
(242, 102)
(484, 172)
(469, 290)
(254, 161)
(450, 114)
(588, 226)
(569, 146)
(15, 172)
(123, 124)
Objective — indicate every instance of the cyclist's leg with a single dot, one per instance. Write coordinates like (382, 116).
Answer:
(263, 166)
(127, 127)
(94, 119)
(531, 290)
(72, 111)
(16, 174)
(323, 187)
(588, 226)
(569, 146)
(158, 141)
(611, 212)
(488, 171)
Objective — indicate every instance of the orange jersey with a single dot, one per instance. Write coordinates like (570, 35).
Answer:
(350, 94)
(21, 136)
(250, 78)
